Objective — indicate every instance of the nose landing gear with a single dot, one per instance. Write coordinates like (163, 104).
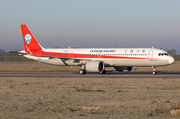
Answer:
(154, 70)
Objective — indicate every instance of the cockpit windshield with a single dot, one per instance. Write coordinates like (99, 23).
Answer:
(162, 54)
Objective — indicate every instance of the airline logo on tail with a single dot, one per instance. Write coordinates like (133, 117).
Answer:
(28, 38)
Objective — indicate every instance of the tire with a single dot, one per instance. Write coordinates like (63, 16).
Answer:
(82, 71)
(103, 72)
(154, 73)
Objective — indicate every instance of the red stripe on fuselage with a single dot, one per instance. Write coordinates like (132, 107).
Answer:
(86, 56)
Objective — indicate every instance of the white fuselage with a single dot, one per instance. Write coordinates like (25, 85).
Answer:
(110, 56)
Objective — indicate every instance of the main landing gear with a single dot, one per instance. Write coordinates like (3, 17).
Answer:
(83, 70)
(154, 70)
(103, 71)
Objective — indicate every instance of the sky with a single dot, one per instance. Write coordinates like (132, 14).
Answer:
(92, 23)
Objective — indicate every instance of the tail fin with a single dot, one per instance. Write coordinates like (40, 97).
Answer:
(30, 43)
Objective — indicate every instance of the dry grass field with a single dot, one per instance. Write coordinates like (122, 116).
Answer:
(106, 98)
(35, 66)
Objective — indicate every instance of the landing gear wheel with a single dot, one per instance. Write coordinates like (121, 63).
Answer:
(103, 71)
(154, 73)
(154, 70)
(82, 71)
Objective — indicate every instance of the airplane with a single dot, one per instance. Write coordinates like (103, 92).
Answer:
(94, 59)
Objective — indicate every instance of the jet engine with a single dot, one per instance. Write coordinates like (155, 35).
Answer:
(95, 66)
(123, 68)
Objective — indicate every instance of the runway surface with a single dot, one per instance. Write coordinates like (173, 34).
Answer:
(107, 75)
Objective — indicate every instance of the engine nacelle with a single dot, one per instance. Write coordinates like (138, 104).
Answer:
(123, 68)
(95, 66)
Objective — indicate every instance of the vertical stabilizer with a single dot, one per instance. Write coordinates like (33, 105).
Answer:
(30, 43)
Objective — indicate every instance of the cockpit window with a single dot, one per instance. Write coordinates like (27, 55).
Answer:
(162, 54)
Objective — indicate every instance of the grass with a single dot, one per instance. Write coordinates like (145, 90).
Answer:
(88, 90)
(89, 98)
(14, 59)
(36, 66)
(176, 57)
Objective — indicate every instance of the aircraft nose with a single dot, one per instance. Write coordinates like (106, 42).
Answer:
(171, 60)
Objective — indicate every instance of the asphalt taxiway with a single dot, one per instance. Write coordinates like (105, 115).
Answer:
(107, 75)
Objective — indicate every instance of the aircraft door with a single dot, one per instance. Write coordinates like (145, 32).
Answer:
(150, 54)
(39, 54)
(71, 54)
(99, 55)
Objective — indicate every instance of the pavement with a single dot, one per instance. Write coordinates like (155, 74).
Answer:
(96, 75)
